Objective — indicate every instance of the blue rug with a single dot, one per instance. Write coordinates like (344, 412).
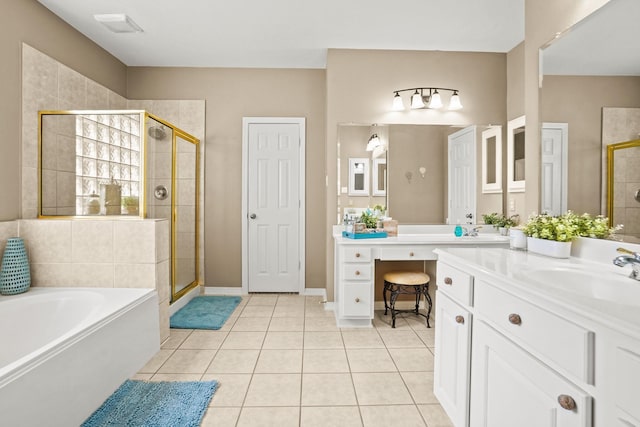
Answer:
(205, 312)
(155, 404)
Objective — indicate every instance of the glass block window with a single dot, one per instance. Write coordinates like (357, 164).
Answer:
(108, 149)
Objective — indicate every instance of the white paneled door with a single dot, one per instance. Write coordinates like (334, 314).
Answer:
(273, 206)
(553, 168)
(462, 176)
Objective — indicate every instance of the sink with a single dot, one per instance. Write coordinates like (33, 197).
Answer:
(608, 286)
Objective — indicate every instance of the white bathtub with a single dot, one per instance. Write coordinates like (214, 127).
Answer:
(63, 351)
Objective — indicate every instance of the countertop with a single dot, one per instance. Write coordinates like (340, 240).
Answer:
(598, 291)
(427, 239)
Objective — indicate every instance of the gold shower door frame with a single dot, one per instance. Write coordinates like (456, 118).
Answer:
(175, 134)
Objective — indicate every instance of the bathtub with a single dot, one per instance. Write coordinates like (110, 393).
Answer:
(63, 351)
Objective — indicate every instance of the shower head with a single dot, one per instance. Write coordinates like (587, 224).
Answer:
(157, 132)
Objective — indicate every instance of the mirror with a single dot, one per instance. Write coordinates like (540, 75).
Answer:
(379, 177)
(416, 172)
(359, 176)
(515, 155)
(623, 185)
(90, 164)
(492, 160)
(584, 72)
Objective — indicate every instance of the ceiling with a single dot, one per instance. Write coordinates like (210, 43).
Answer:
(291, 33)
(607, 42)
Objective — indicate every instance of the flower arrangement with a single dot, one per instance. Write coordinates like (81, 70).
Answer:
(566, 227)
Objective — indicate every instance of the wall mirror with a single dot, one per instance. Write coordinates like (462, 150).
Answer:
(379, 177)
(623, 185)
(492, 160)
(515, 155)
(358, 176)
(416, 172)
(584, 72)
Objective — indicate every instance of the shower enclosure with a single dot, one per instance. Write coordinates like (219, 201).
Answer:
(124, 164)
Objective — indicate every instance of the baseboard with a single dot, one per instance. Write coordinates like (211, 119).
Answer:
(215, 290)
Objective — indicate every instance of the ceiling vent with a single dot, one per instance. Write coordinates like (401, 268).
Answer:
(118, 23)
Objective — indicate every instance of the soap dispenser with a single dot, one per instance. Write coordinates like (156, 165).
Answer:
(458, 230)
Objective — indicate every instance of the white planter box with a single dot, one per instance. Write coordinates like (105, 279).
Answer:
(549, 247)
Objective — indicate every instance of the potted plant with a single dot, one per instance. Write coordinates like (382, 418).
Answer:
(490, 219)
(503, 223)
(369, 219)
(131, 204)
(552, 235)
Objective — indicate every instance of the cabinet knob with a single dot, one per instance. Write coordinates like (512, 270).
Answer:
(410, 253)
(357, 272)
(357, 299)
(459, 319)
(357, 254)
(567, 402)
(448, 281)
(515, 319)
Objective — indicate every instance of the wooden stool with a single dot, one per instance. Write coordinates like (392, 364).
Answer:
(409, 283)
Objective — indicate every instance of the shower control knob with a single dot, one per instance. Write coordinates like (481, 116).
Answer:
(160, 192)
(252, 216)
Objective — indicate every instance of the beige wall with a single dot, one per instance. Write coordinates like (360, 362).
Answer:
(28, 21)
(514, 203)
(360, 85)
(231, 94)
(578, 101)
(543, 20)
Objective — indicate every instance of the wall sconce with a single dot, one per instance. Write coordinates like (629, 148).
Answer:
(426, 97)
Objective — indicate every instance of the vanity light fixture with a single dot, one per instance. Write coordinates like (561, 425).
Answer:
(426, 97)
(118, 23)
(374, 142)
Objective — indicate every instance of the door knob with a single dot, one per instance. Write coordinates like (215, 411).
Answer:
(252, 216)
(469, 215)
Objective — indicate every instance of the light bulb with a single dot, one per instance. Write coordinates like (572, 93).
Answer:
(436, 101)
(398, 105)
(416, 100)
(455, 103)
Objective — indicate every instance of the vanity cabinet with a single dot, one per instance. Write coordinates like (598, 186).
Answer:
(502, 360)
(452, 358)
(510, 387)
(355, 299)
(626, 381)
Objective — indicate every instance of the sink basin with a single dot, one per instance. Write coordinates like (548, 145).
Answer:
(614, 287)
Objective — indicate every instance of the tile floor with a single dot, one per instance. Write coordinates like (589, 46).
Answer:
(281, 361)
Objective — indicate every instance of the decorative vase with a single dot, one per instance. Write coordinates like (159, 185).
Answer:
(15, 276)
(549, 248)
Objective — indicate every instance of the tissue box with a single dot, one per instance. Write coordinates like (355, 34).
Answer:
(390, 226)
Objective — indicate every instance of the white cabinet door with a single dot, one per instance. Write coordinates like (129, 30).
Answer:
(509, 387)
(451, 376)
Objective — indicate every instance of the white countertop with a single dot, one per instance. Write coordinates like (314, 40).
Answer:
(427, 239)
(599, 291)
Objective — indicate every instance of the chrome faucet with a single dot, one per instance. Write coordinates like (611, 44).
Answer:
(630, 258)
(470, 233)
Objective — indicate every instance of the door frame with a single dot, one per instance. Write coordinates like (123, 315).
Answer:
(564, 164)
(301, 122)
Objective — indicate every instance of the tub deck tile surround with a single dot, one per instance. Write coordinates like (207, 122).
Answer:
(282, 361)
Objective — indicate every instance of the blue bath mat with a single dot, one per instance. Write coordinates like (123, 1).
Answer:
(205, 312)
(157, 404)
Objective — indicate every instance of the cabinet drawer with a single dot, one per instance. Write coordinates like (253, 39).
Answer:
(356, 254)
(568, 345)
(356, 299)
(455, 283)
(627, 378)
(406, 253)
(356, 271)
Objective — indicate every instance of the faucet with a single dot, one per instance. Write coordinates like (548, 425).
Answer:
(630, 258)
(473, 232)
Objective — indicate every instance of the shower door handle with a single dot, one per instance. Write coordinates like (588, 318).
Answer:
(252, 216)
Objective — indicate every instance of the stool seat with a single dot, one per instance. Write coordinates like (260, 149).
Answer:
(407, 277)
(414, 283)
